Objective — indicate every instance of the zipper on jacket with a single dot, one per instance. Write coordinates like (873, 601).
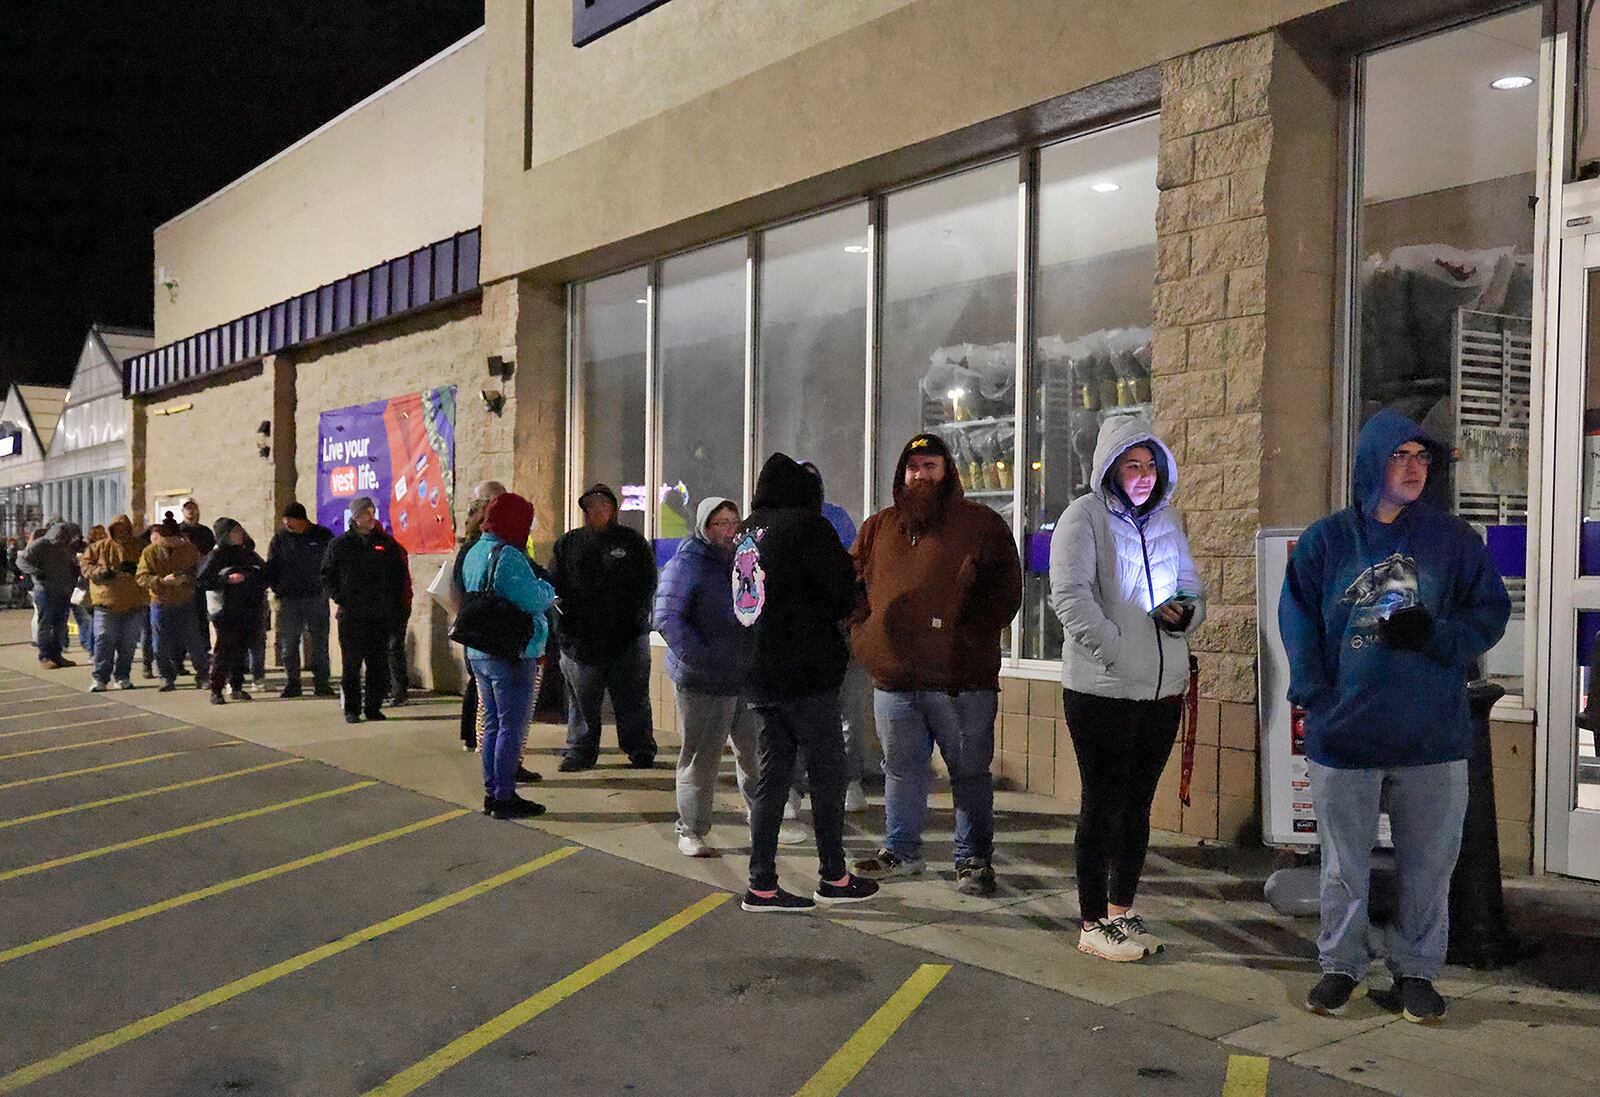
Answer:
(1149, 585)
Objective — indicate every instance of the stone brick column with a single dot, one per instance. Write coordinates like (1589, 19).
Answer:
(1237, 286)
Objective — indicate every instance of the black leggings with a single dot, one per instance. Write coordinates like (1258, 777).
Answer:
(1122, 747)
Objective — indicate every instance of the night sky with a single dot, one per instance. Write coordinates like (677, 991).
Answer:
(116, 115)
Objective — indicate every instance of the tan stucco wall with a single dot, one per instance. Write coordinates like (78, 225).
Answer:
(816, 95)
(401, 170)
(210, 449)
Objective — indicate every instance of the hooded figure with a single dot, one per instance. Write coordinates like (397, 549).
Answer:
(506, 522)
(234, 579)
(792, 585)
(1368, 704)
(49, 561)
(694, 612)
(1111, 564)
(110, 565)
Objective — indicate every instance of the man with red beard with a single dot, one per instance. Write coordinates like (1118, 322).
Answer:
(943, 581)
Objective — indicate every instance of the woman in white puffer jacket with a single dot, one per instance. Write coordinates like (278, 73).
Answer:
(1124, 585)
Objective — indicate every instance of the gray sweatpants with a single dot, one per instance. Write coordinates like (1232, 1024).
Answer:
(707, 722)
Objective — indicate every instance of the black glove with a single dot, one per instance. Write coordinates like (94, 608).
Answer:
(1182, 623)
(1409, 629)
(105, 575)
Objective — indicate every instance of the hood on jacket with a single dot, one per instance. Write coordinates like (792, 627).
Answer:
(1384, 433)
(223, 527)
(783, 483)
(926, 443)
(509, 517)
(59, 532)
(121, 526)
(702, 514)
(1119, 434)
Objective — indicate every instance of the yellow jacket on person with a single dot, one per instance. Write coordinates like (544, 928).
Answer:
(169, 556)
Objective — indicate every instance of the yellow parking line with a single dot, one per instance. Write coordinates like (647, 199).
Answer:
(155, 1022)
(93, 769)
(142, 793)
(1247, 1076)
(847, 1062)
(64, 727)
(59, 711)
(92, 742)
(7, 955)
(25, 689)
(419, 1075)
(179, 832)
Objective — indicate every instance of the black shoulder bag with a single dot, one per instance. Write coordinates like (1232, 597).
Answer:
(492, 623)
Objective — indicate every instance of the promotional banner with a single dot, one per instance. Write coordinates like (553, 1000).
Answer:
(400, 452)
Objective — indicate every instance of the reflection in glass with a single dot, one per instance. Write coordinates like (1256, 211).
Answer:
(812, 349)
(1586, 767)
(612, 320)
(1446, 271)
(700, 371)
(1092, 316)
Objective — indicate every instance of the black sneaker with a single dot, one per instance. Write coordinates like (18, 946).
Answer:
(217, 698)
(855, 889)
(526, 776)
(642, 760)
(376, 714)
(488, 804)
(399, 699)
(1331, 994)
(290, 692)
(324, 691)
(517, 808)
(1413, 999)
(352, 717)
(572, 764)
(782, 903)
(149, 673)
(240, 695)
(975, 876)
(884, 865)
(167, 687)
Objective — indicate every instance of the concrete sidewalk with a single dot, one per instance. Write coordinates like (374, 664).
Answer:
(1235, 971)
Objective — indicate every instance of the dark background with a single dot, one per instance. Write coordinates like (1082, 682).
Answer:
(117, 115)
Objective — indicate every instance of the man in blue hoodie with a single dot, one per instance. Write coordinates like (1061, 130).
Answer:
(1386, 607)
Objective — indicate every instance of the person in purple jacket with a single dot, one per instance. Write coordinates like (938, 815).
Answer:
(694, 612)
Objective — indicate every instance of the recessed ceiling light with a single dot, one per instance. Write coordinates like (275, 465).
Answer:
(641, 300)
(1511, 83)
(856, 249)
(1104, 188)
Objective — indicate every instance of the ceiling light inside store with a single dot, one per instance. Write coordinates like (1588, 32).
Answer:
(641, 300)
(1511, 83)
(1104, 188)
(856, 249)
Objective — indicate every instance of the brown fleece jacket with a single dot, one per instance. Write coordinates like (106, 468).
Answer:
(169, 556)
(936, 603)
(109, 565)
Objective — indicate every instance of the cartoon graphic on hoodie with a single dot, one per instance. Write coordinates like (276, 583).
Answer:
(1387, 586)
(749, 581)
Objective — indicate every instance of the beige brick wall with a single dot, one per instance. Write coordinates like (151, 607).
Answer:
(203, 441)
(1512, 750)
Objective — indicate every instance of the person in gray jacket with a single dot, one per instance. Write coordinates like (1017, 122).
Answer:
(1124, 585)
(50, 562)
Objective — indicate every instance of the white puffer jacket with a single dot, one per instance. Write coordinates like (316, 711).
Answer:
(1108, 571)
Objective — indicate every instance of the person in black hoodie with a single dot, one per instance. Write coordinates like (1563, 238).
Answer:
(294, 572)
(234, 580)
(605, 576)
(204, 540)
(364, 573)
(793, 583)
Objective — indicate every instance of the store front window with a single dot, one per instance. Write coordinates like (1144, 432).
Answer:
(701, 331)
(1445, 278)
(611, 323)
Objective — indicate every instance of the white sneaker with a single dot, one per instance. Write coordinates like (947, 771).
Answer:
(792, 835)
(1137, 932)
(1107, 941)
(691, 845)
(855, 797)
(791, 810)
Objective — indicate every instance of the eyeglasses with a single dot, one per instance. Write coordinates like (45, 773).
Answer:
(1421, 457)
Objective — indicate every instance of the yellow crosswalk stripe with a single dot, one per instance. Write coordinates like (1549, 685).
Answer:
(142, 793)
(79, 724)
(92, 742)
(77, 934)
(59, 711)
(178, 832)
(1247, 1076)
(155, 1022)
(847, 1062)
(457, 1050)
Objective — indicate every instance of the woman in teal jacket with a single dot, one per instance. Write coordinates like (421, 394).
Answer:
(506, 686)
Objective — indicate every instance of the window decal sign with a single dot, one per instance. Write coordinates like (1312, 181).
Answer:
(400, 452)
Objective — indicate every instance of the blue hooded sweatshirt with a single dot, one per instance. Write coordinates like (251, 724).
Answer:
(1369, 706)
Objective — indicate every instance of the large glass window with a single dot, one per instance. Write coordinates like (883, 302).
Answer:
(812, 349)
(1092, 317)
(700, 382)
(1446, 275)
(611, 320)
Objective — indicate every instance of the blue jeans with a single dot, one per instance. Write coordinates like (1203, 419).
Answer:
(505, 697)
(627, 677)
(87, 637)
(307, 616)
(962, 724)
(177, 635)
(116, 635)
(1426, 806)
(52, 622)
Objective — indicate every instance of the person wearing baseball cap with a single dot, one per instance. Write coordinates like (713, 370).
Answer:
(294, 572)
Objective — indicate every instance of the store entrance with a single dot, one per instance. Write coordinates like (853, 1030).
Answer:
(1572, 820)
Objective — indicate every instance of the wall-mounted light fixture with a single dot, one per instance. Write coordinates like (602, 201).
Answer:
(493, 401)
(500, 367)
(175, 409)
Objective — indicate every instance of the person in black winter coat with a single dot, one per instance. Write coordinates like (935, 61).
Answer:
(204, 540)
(793, 584)
(233, 579)
(294, 572)
(364, 573)
(605, 576)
